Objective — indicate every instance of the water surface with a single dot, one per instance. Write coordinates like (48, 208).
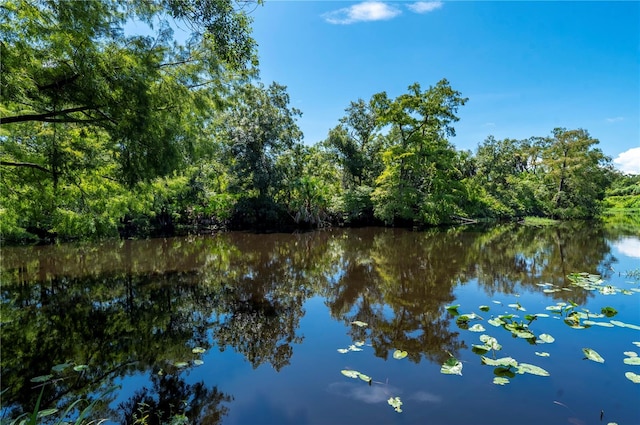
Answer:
(271, 311)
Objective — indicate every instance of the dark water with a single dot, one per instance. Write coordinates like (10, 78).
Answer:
(271, 311)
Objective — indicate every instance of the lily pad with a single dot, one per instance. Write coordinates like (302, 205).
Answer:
(636, 343)
(594, 323)
(499, 380)
(633, 377)
(491, 342)
(359, 323)
(631, 354)
(480, 349)
(353, 347)
(532, 369)
(477, 328)
(399, 354)
(396, 403)
(546, 338)
(198, 350)
(609, 311)
(198, 362)
(635, 361)
(542, 354)
(496, 322)
(343, 350)
(41, 378)
(60, 367)
(181, 365)
(452, 366)
(591, 354)
(350, 373)
(484, 308)
(504, 361)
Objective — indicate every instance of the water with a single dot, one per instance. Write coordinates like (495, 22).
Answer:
(271, 311)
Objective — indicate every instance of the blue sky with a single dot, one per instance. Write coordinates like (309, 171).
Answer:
(526, 67)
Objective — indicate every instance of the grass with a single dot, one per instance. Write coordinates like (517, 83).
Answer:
(539, 221)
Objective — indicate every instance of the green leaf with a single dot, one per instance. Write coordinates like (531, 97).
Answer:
(452, 308)
(609, 311)
(181, 365)
(491, 342)
(484, 308)
(634, 361)
(480, 349)
(47, 412)
(364, 377)
(532, 369)
(396, 403)
(523, 334)
(499, 380)
(41, 378)
(631, 354)
(198, 350)
(633, 377)
(546, 338)
(592, 355)
(80, 367)
(350, 373)
(593, 323)
(359, 323)
(496, 322)
(198, 362)
(542, 354)
(504, 361)
(452, 366)
(477, 328)
(60, 367)
(343, 350)
(399, 354)
(636, 343)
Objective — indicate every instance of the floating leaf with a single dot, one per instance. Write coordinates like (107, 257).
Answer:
(633, 377)
(542, 354)
(60, 367)
(551, 291)
(343, 350)
(636, 343)
(532, 369)
(499, 380)
(181, 365)
(524, 334)
(484, 308)
(198, 362)
(80, 367)
(364, 377)
(41, 378)
(496, 302)
(477, 328)
(546, 338)
(593, 323)
(452, 366)
(354, 348)
(504, 372)
(517, 306)
(542, 315)
(491, 342)
(198, 350)
(631, 354)
(592, 355)
(625, 325)
(609, 311)
(495, 322)
(350, 373)
(480, 349)
(359, 323)
(504, 361)
(396, 403)
(359, 343)
(452, 308)
(399, 354)
(634, 361)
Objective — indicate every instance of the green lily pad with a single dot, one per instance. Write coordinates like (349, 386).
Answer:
(364, 377)
(343, 350)
(631, 354)
(350, 373)
(477, 328)
(60, 367)
(504, 361)
(359, 323)
(625, 325)
(491, 342)
(399, 354)
(634, 361)
(517, 306)
(542, 315)
(523, 334)
(496, 322)
(636, 343)
(484, 308)
(499, 380)
(452, 366)
(532, 369)
(591, 354)
(633, 377)
(353, 347)
(593, 323)
(480, 349)
(198, 362)
(396, 403)
(198, 350)
(542, 354)
(609, 311)
(41, 378)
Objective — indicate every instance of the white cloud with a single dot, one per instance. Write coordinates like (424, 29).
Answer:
(629, 161)
(629, 246)
(424, 6)
(366, 11)
(615, 119)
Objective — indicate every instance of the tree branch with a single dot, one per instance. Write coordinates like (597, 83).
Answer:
(25, 164)
(46, 117)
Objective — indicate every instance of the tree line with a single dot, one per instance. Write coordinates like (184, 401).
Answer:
(105, 133)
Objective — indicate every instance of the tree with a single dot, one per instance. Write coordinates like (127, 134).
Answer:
(576, 174)
(420, 182)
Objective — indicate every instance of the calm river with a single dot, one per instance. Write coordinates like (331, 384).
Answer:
(337, 326)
